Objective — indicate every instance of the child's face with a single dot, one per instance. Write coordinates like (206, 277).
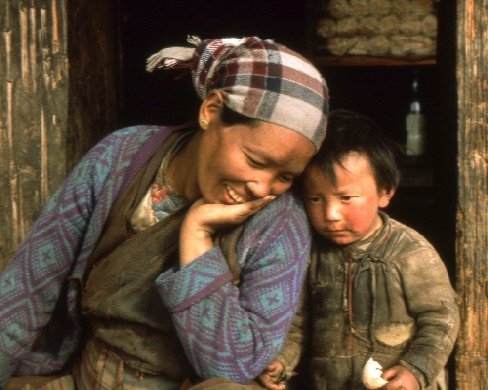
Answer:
(347, 211)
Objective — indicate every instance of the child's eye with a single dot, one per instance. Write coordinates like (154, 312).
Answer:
(346, 198)
(315, 199)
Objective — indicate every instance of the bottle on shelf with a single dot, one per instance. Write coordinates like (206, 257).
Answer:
(415, 124)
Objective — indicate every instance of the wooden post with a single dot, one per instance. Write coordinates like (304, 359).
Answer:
(472, 210)
(58, 77)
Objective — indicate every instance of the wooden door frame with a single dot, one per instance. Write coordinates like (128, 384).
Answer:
(472, 206)
(59, 93)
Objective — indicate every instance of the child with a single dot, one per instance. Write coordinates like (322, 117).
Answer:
(376, 288)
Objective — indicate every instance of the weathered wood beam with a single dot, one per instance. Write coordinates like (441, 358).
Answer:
(472, 210)
(59, 69)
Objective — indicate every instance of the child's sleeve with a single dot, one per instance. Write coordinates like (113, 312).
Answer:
(431, 300)
(294, 345)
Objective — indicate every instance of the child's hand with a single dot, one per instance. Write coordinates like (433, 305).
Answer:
(203, 220)
(400, 378)
(271, 377)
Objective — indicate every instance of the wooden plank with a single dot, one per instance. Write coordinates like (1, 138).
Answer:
(373, 60)
(33, 68)
(59, 74)
(95, 71)
(472, 211)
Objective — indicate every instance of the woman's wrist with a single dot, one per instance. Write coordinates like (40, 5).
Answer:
(195, 240)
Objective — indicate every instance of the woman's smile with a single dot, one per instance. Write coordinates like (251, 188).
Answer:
(234, 195)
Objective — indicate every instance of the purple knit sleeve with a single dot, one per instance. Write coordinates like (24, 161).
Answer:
(234, 332)
(57, 247)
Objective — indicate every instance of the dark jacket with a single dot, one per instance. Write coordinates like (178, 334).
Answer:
(392, 301)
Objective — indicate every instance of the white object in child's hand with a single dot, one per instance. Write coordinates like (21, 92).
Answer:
(372, 375)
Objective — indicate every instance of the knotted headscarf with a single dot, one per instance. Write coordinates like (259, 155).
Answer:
(258, 78)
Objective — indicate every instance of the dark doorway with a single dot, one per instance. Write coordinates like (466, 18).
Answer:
(150, 25)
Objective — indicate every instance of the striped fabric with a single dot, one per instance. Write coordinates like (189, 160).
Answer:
(65, 382)
(102, 369)
(224, 384)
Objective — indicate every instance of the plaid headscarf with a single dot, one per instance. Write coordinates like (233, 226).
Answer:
(258, 78)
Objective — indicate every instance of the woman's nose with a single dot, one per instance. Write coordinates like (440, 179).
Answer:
(259, 188)
(266, 185)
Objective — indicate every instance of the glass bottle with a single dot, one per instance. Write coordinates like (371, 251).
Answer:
(415, 123)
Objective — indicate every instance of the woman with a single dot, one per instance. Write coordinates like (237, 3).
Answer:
(177, 251)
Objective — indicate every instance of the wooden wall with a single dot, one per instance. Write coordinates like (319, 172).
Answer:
(58, 78)
(472, 211)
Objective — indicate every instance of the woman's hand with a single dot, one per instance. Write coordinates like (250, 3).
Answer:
(400, 378)
(203, 220)
(271, 376)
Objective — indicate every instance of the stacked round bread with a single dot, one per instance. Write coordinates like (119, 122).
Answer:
(379, 27)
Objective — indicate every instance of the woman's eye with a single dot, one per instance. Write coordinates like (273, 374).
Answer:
(286, 179)
(315, 199)
(252, 162)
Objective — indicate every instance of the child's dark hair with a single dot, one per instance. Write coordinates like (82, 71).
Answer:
(349, 131)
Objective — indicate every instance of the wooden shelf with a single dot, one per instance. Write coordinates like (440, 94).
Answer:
(349, 60)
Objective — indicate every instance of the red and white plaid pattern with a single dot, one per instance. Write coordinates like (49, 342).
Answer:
(260, 79)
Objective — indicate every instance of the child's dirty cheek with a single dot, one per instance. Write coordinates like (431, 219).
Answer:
(394, 334)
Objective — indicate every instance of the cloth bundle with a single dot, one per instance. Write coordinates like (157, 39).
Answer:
(379, 27)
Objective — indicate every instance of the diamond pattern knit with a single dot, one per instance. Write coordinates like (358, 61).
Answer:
(226, 331)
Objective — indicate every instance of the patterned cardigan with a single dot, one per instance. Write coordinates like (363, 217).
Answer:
(226, 331)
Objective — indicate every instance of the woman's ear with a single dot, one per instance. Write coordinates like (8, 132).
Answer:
(385, 197)
(211, 107)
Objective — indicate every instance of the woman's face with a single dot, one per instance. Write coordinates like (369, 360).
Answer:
(242, 162)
